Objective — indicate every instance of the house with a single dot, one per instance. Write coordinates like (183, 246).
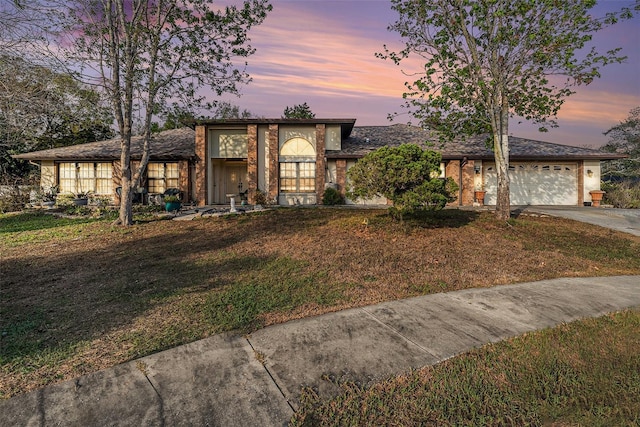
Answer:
(292, 161)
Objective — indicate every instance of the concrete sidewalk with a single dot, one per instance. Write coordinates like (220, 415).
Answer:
(228, 380)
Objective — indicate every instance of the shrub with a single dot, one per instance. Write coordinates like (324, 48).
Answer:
(625, 194)
(261, 198)
(406, 175)
(13, 199)
(332, 196)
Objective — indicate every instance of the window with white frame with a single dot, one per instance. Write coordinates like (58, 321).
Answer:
(82, 177)
(298, 177)
(161, 176)
(297, 167)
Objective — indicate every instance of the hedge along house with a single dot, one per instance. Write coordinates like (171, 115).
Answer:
(292, 161)
(95, 166)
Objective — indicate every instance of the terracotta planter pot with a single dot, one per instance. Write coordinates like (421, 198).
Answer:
(479, 196)
(596, 197)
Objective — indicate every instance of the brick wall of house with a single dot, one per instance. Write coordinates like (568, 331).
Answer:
(274, 149)
(200, 192)
(463, 175)
(320, 162)
(183, 180)
(581, 183)
(468, 187)
(452, 170)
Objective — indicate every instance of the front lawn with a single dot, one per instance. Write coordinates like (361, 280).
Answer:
(586, 373)
(81, 296)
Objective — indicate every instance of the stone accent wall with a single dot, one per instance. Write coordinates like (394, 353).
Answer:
(252, 162)
(320, 162)
(201, 165)
(274, 149)
(341, 175)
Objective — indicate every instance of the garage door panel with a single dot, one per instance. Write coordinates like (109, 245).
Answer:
(536, 184)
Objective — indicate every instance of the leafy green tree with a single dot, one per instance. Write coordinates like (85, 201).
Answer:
(142, 54)
(298, 111)
(488, 61)
(407, 175)
(41, 109)
(227, 110)
(174, 118)
(625, 139)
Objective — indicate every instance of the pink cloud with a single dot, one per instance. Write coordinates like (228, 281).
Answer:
(323, 53)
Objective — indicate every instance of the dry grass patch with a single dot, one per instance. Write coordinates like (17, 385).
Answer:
(77, 297)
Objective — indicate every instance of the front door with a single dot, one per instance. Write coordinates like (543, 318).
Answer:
(235, 179)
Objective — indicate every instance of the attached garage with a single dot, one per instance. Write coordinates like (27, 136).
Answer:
(536, 183)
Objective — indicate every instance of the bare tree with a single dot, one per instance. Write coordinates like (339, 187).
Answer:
(145, 53)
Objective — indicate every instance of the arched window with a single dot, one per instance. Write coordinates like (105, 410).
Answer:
(297, 147)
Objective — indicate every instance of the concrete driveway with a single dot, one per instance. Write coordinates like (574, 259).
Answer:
(626, 220)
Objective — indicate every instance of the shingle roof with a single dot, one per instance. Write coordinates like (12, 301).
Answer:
(365, 139)
(175, 144)
(179, 144)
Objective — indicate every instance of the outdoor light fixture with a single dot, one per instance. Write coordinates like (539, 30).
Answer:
(589, 173)
(476, 168)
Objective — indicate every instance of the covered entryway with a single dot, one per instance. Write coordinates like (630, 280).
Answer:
(536, 183)
(228, 177)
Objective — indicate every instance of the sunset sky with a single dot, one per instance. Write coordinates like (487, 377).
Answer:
(323, 53)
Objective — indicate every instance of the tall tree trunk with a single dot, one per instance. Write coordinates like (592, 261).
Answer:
(500, 124)
(126, 198)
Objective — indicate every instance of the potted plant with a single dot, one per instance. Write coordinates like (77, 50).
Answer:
(172, 203)
(81, 198)
(48, 198)
(596, 197)
(479, 195)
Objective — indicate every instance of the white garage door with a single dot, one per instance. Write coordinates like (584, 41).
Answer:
(536, 183)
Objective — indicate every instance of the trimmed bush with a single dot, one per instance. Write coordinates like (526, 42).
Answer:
(332, 196)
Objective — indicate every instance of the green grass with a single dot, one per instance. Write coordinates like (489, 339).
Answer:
(586, 373)
(261, 286)
(276, 285)
(36, 221)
